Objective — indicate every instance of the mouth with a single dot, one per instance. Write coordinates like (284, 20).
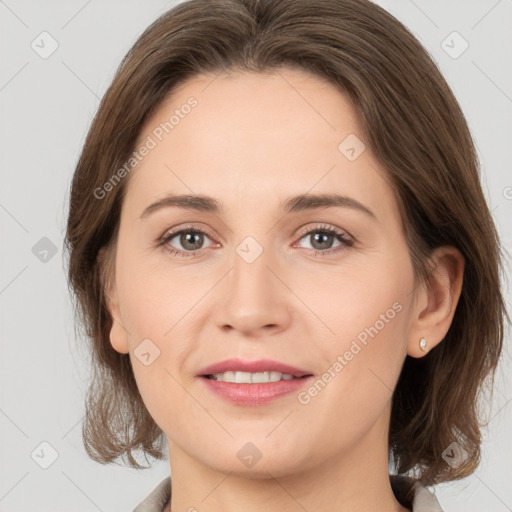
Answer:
(244, 371)
(239, 377)
(254, 383)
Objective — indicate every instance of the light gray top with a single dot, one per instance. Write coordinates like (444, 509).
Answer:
(422, 501)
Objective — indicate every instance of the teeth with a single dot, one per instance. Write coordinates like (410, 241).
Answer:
(252, 378)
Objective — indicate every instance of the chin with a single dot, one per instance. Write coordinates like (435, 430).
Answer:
(249, 461)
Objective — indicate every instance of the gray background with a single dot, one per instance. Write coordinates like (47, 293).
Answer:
(47, 105)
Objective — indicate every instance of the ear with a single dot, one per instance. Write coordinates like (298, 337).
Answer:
(436, 301)
(118, 334)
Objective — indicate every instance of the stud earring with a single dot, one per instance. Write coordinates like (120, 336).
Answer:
(423, 344)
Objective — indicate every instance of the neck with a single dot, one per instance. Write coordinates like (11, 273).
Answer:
(356, 480)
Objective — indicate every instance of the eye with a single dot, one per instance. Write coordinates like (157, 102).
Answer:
(323, 236)
(191, 240)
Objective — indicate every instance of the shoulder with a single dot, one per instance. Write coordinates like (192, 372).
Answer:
(411, 493)
(157, 499)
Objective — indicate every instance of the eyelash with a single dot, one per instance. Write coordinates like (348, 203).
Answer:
(340, 236)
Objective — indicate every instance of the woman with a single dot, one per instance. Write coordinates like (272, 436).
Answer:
(277, 374)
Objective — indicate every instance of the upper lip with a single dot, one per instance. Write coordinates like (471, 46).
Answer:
(261, 365)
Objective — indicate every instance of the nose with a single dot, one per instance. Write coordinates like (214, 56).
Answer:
(256, 301)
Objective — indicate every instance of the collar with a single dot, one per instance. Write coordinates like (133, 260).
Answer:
(409, 492)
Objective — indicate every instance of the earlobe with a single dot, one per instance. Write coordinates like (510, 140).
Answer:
(118, 334)
(118, 337)
(437, 302)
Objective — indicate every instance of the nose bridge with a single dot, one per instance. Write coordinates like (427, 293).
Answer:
(250, 275)
(253, 299)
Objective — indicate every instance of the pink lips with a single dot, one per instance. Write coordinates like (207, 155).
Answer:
(254, 394)
(262, 365)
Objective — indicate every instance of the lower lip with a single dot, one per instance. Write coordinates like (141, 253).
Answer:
(255, 394)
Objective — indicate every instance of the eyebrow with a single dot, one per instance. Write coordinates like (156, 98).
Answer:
(299, 203)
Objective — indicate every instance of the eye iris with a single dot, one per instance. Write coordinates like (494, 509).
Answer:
(322, 236)
(186, 242)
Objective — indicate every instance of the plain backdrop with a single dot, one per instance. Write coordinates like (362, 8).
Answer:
(47, 103)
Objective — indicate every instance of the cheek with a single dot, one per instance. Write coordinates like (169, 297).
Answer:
(360, 371)
(154, 307)
(368, 315)
(148, 299)
(358, 302)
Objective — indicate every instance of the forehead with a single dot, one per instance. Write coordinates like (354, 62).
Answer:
(254, 136)
(258, 103)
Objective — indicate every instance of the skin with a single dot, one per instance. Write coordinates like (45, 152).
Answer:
(253, 140)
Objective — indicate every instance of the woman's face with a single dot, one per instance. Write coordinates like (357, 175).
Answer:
(246, 282)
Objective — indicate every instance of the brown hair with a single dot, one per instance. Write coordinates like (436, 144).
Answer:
(416, 129)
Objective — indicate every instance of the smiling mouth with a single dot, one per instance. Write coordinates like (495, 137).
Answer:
(236, 377)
